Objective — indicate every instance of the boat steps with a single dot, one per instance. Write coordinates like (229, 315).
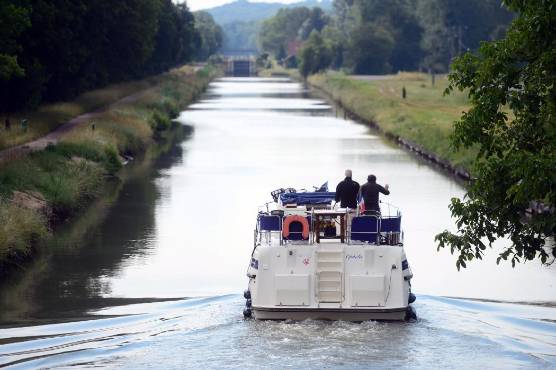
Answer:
(330, 272)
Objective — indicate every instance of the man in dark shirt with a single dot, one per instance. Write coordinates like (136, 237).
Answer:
(370, 193)
(346, 192)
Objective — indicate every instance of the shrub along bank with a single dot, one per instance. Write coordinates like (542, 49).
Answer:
(45, 188)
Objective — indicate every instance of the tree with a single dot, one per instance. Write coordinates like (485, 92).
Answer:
(452, 26)
(210, 35)
(165, 52)
(394, 21)
(55, 49)
(404, 25)
(369, 50)
(316, 20)
(315, 55)
(512, 88)
(284, 28)
(335, 40)
(186, 33)
(14, 20)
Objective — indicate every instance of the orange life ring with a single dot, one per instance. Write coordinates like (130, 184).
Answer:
(296, 218)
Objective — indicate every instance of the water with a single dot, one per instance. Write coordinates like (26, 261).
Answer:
(151, 276)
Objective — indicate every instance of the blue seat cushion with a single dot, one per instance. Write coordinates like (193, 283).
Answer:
(364, 228)
(391, 224)
(270, 223)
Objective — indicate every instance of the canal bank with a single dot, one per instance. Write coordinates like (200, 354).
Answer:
(407, 109)
(421, 120)
(44, 189)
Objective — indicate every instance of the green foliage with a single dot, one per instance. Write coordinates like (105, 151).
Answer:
(292, 62)
(451, 27)
(14, 20)
(209, 36)
(382, 36)
(67, 47)
(170, 106)
(174, 38)
(112, 159)
(369, 50)
(65, 184)
(511, 85)
(316, 21)
(85, 150)
(160, 121)
(390, 27)
(20, 228)
(280, 35)
(315, 56)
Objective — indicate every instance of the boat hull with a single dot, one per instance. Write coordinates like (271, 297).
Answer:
(330, 281)
(344, 314)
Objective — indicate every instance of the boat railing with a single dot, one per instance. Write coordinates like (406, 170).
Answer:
(364, 229)
(354, 228)
(375, 229)
(268, 225)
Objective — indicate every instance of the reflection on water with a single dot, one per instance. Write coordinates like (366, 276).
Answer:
(114, 231)
(182, 227)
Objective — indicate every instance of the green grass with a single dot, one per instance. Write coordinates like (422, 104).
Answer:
(278, 70)
(425, 117)
(69, 175)
(20, 230)
(50, 116)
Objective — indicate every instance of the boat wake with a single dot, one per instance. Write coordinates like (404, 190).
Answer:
(126, 329)
(210, 332)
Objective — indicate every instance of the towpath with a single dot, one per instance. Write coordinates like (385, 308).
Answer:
(370, 77)
(54, 136)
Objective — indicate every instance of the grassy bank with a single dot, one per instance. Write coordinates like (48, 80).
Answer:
(50, 116)
(278, 71)
(424, 118)
(45, 188)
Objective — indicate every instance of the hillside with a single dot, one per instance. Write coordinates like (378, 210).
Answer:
(245, 11)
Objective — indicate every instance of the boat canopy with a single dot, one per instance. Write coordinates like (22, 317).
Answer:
(307, 198)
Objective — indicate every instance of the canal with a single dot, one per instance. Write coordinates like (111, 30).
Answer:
(153, 273)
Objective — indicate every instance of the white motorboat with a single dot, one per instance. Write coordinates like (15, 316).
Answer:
(312, 260)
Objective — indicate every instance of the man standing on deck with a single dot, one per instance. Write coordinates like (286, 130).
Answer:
(346, 192)
(370, 193)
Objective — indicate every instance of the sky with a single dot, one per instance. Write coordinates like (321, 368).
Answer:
(205, 4)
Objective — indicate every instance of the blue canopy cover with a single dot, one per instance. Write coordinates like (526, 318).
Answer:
(308, 198)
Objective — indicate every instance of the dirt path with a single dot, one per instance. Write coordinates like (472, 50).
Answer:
(54, 137)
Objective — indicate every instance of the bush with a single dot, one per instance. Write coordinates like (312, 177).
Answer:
(215, 59)
(160, 121)
(20, 230)
(64, 178)
(315, 55)
(171, 108)
(113, 162)
(291, 62)
(86, 150)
